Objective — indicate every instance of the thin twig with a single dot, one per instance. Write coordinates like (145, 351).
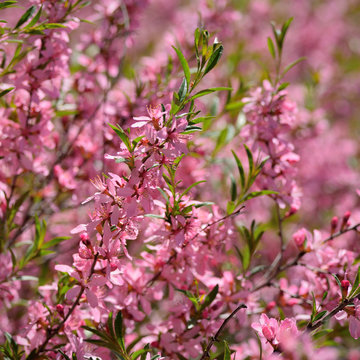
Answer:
(215, 338)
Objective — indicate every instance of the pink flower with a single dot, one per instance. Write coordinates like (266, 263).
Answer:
(273, 331)
(155, 118)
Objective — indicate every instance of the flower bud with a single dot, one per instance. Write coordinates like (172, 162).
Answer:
(299, 238)
(345, 220)
(84, 237)
(334, 224)
(270, 306)
(60, 309)
(344, 287)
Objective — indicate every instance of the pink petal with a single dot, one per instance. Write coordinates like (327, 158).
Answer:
(92, 298)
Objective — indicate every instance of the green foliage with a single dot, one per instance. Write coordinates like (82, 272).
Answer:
(239, 193)
(251, 237)
(38, 248)
(112, 338)
(26, 16)
(355, 290)
(200, 303)
(11, 350)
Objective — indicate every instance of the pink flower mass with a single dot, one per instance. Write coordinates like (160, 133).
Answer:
(179, 180)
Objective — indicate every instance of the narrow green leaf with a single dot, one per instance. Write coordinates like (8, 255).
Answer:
(290, 66)
(26, 16)
(190, 187)
(184, 64)
(120, 132)
(260, 345)
(110, 325)
(271, 47)
(154, 216)
(119, 331)
(241, 170)
(255, 194)
(319, 315)
(63, 355)
(355, 285)
(183, 90)
(283, 86)
(250, 160)
(209, 91)
(214, 58)
(55, 241)
(4, 92)
(337, 280)
(51, 26)
(35, 19)
(7, 4)
(322, 333)
(210, 297)
(138, 353)
(284, 29)
(226, 351)
(233, 189)
(221, 140)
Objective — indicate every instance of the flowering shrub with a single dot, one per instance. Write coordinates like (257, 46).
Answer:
(220, 223)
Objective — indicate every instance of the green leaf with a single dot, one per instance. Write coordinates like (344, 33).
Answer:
(255, 194)
(221, 140)
(138, 353)
(154, 216)
(110, 325)
(26, 16)
(210, 297)
(241, 170)
(356, 283)
(120, 132)
(55, 241)
(190, 187)
(61, 113)
(7, 4)
(260, 345)
(226, 351)
(289, 67)
(119, 331)
(319, 315)
(250, 160)
(183, 90)
(164, 194)
(271, 47)
(191, 297)
(184, 64)
(201, 119)
(51, 26)
(233, 189)
(35, 19)
(322, 333)
(4, 92)
(283, 86)
(230, 207)
(337, 280)
(209, 91)
(246, 257)
(214, 58)
(284, 29)
(64, 355)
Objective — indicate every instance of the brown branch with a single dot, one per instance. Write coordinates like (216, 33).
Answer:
(54, 331)
(295, 260)
(206, 354)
